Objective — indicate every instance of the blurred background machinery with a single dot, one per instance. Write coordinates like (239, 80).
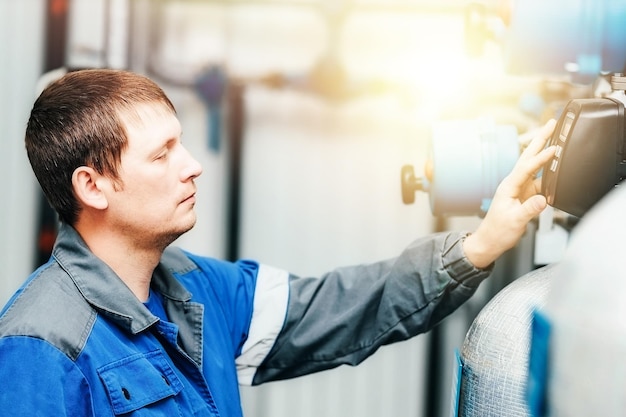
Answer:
(302, 113)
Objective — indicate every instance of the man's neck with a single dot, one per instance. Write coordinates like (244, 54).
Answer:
(134, 265)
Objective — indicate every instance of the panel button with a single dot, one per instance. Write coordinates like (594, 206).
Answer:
(559, 151)
(554, 165)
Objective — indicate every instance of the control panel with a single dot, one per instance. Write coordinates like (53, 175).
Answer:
(589, 158)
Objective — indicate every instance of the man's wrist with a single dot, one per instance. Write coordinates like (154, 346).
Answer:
(477, 252)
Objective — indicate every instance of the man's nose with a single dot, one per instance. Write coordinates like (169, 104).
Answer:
(192, 168)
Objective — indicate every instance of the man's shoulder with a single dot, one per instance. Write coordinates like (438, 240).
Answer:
(49, 307)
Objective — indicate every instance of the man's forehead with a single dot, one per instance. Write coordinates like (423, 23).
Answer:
(141, 113)
(148, 128)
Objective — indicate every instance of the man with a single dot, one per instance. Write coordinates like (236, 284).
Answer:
(119, 322)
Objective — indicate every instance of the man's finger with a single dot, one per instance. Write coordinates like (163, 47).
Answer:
(540, 140)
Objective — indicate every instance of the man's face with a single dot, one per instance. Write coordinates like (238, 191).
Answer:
(155, 203)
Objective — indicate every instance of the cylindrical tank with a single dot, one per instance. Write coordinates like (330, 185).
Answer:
(586, 312)
(495, 353)
(469, 159)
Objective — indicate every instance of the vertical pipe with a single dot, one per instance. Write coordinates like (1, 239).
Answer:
(55, 34)
(236, 129)
(434, 359)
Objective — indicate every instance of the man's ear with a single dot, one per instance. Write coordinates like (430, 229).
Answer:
(87, 183)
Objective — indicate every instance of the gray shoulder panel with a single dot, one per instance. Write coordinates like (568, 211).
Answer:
(51, 308)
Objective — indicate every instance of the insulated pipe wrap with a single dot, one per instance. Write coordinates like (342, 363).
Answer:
(496, 349)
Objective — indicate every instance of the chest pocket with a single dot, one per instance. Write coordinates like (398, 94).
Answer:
(142, 382)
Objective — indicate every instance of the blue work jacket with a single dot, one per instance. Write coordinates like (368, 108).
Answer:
(75, 341)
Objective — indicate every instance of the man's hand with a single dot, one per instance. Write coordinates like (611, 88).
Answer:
(515, 203)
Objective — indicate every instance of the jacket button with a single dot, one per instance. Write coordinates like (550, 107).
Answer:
(126, 393)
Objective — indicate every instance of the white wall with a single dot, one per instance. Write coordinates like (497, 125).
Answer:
(321, 190)
(21, 57)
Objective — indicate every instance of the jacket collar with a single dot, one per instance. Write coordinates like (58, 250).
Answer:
(104, 290)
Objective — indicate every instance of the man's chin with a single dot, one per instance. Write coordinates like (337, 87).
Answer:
(168, 238)
(189, 227)
(186, 227)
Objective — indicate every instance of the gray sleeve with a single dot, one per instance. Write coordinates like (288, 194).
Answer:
(347, 314)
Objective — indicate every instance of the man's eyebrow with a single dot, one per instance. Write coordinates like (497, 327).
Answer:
(173, 138)
(161, 145)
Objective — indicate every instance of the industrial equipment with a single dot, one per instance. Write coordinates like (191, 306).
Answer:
(494, 362)
(578, 345)
(467, 160)
(590, 159)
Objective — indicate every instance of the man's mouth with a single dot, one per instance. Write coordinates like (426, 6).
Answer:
(190, 199)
